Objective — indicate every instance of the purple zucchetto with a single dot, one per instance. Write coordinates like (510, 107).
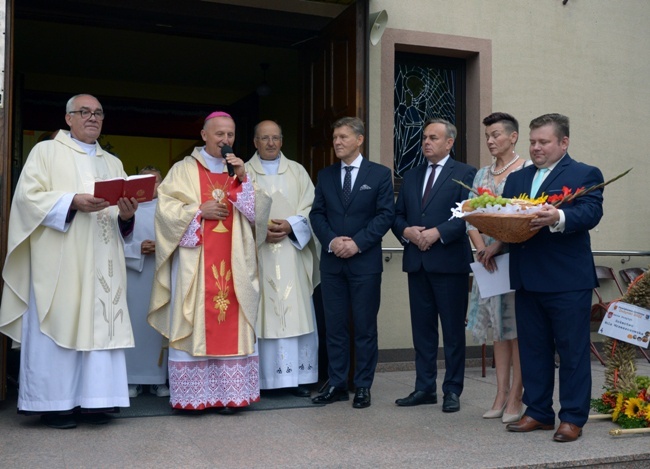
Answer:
(217, 114)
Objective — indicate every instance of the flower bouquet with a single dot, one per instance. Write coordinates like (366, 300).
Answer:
(630, 409)
(508, 219)
(626, 400)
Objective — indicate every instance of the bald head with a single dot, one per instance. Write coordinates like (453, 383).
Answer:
(268, 139)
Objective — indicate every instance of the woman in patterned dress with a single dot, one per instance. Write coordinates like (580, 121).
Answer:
(498, 312)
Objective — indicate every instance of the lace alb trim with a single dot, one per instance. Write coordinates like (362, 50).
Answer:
(191, 236)
(245, 202)
(214, 383)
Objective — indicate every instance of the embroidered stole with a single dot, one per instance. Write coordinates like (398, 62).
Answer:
(221, 306)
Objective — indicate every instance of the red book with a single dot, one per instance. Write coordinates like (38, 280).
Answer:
(140, 187)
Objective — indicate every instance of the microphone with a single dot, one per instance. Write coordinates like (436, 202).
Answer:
(224, 150)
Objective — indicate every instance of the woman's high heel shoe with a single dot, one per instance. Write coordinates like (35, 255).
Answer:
(494, 413)
(512, 418)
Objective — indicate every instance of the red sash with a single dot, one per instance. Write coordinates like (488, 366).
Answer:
(221, 306)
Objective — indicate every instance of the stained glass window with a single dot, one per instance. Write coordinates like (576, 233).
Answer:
(425, 87)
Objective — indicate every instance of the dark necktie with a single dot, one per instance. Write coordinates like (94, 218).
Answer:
(427, 190)
(347, 185)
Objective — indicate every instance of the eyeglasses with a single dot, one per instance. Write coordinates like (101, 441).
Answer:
(267, 139)
(85, 114)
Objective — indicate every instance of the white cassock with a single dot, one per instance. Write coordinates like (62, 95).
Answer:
(146, 363)
(54, 378)
(55, 276)
(286, 327)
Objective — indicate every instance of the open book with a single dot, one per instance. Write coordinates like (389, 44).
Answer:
(140, 187)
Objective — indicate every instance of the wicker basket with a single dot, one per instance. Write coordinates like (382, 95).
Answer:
(506, 227)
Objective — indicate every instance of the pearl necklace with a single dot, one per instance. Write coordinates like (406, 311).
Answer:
(502, 170)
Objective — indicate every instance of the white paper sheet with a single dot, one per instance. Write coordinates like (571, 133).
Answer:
(493, 283)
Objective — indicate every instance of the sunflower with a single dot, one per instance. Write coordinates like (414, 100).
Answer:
(632, 406)
(618, 408)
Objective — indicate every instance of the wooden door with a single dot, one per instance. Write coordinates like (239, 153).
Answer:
(334, 69)
(5, 163)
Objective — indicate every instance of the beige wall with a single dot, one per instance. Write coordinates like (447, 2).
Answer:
(587, 59)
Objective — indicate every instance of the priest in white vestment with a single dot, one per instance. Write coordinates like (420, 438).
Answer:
(146, 364)
(288, 263)
(206, 289)
(64, 297)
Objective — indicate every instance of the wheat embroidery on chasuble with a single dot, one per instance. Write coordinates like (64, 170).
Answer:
(221, 306)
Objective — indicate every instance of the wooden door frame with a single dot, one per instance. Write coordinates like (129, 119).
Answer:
(5, 167)
(319, 132)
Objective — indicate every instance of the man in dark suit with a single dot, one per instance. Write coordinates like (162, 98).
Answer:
(437, 255)
(353, 208)
(553, 274)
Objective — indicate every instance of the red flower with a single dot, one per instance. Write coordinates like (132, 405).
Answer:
(644, 395)
(485, 190)
(609, 399)
(566, 192)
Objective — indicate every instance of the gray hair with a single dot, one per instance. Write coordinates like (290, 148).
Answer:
(354, 123)
(69, 107)
(450, 129)
(151, 169)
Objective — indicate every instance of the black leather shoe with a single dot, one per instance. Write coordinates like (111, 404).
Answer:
(418, 398)
(361, 398)
(61, 422)
(226, 410)
(301, 391)
(332, 395)
(95, 418)
(451, 402)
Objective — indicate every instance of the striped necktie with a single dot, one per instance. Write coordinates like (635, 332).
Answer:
(432, 177)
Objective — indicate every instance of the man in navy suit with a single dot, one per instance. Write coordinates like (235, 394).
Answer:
(353, 208)
(553, 274)
(437, 255)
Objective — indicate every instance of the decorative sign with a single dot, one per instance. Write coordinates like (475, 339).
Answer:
(627, 323)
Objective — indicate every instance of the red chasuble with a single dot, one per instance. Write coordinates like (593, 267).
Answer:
(221, 306)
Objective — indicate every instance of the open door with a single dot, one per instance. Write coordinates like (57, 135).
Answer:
(6, 14)
(334, 69)
(334, 85)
